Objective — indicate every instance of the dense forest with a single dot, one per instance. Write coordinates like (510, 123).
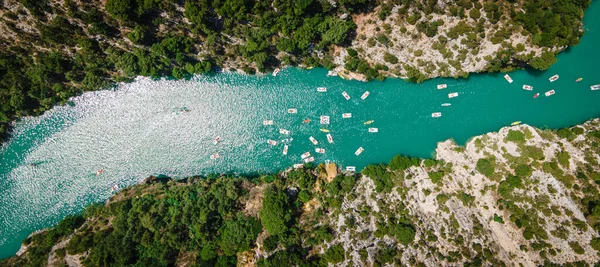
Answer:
(545, 199)
(53, 50)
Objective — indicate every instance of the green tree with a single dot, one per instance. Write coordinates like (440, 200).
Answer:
(275, 213)
(121, 9)
(237, 235)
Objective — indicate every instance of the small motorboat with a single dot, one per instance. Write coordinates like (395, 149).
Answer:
(579, 80)
(446, 104)
(284, 131)
(100, 171)
(373, 130)
(267, 122)
(306, 121)
(359, 150)
(365, 95)
(307, 160)
(595, 87)
(527, 87)
(298, 166)
(508, 78)
(320, 150)
(305, 155)
(292, 110)
(272, 142)
(313, 140)
(549, 93)
(453, 95)
(216, 141)
(536, 95)
(351, 168)
(215, 156)
(322, 89)
(515, 123)
(285, 149)
(436, 114)
(310, 67)
(369, 122)
(346, 115)
(324, 130)
(324, 119)
(276, 71)
(115, 187)
(553, 78)
(287, 140)
(329, 138)
(346, 96)
(442, 86)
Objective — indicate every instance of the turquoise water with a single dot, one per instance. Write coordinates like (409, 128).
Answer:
(142, 128)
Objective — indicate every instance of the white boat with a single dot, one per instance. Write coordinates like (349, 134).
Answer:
(442, 86)
(313, 140)
(322, 89)
(320, 150)
(553, 78)
(267, 122)
(527, 87)
(595, 87)
(292, 110)
(298, 166)
(508, 78)
(272, 142)
(446, 104)
(305, 155)
(365, 95)
(329, 139)
(217, 140)
(373, 130)
(453, 95)
(307, 160)
(285, 149)
(347, 115)
(351, 168)
(324, 119)
(276, 71)
(436, 114)
(359, 150)
(215, 156)
(346, 96)
(284, 131)
(549, 93)
(115, 187)
(100, 171)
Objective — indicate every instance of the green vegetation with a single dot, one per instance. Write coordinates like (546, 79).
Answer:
(205, 222)
(485, 166)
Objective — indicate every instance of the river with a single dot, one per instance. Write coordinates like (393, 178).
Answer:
(150, 127)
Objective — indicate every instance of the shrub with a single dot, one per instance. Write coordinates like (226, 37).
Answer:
(436, 177)
(335, 254)
(515, 136)
(498, 218)
(380, 176)
(351, 52)
(400, 162)
(523, 170)
(390, 58)
(485, 167)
